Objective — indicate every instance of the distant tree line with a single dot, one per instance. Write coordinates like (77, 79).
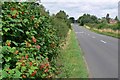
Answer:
(87, 18)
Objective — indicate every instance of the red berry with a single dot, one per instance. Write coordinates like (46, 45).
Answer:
(32, 17)
(12, 9)
(30, 63)
(23, 13)
(33, 39)
(33, 74)
(14, 16)
(16, 52)
(26, 56)
(47, 64)
(8, 44)
(41, 67)
(23, 76)
(46, 70)
(23, 64)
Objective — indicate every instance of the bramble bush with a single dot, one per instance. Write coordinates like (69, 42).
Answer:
(29, 42)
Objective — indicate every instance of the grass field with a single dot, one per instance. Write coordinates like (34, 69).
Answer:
(71, 60)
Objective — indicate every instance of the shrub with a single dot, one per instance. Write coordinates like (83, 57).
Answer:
(115, 26)
(61, 23)
(102, 25)
(29, 41)
(61, 27)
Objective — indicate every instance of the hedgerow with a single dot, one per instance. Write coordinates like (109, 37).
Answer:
(29, 41)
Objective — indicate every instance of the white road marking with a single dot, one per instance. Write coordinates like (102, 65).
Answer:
(88, 34)
(103, 41)
(93, 37)
(79, 32)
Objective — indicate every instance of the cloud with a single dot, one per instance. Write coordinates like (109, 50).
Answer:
(77, 8)
(80, 0)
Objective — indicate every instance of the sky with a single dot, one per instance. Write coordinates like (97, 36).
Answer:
(76, 8)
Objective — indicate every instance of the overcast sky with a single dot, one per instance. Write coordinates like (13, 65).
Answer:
(77, 8)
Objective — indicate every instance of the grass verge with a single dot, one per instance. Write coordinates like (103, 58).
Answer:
(108, 34)
(115, 35)
(71, 60)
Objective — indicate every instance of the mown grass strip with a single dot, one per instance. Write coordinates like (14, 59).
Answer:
(71, 59)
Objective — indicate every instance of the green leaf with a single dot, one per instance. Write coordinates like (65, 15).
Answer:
(30, 71)
(17, 74)
(8, 59)
(43, 75)
(18, 64)
(15, 43)
(1, 33)
(20, 30)
(11, 71)
(6, 29)
(53, 68)
(6, 66)
(4, 49)
(1, 55)
(35, 32)
(33, 68)
(23, 68)
(12, 50)
(25, 20)
(12, 25)
(0, 25)
(27, 32)
(14, 12)
(27, 74)
(19, 25)
(4, 74)
(1, 61)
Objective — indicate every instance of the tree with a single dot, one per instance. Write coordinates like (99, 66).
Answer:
(72, 19)
(94, 18)
(107, 18)
(62, 15)
(87, 18)
(116, 18)
(103, 20)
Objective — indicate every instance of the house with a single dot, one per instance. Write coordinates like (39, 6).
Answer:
(112, 21)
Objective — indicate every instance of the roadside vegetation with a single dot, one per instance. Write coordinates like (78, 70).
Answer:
(32, 42)
(70, 60)
(105, 25)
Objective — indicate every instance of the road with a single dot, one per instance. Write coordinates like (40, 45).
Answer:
(100, 52)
